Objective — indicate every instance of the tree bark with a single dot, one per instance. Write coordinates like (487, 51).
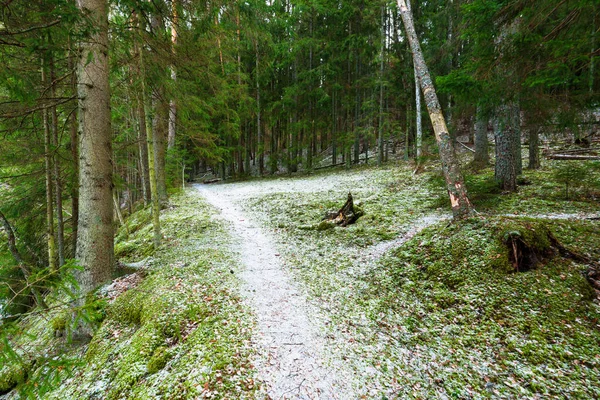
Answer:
(481, 157)
(95, 249)
(506, 148)
(418, 116)
(457, 191)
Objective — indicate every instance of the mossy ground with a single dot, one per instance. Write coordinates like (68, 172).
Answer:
(445, 315)
(182, 333)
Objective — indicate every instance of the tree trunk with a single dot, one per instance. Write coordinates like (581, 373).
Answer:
(461, 206)
(60, 225)
(143, 149)
(418, 116)
(159, 139)
(95, 250)
(75, 156)
(482, 157)
(259, 138)
(48, 158)
(534, 149)
(172, 104)
(380, 124)
(506, 138)
(516, 126)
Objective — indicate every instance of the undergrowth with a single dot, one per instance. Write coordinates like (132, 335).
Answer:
(181, 333)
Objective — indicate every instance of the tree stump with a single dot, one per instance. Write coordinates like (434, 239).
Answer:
(348, 214)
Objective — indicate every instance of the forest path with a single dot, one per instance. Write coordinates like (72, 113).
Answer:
(292, 361)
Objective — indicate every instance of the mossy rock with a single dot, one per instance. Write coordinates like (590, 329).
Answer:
(11, 376)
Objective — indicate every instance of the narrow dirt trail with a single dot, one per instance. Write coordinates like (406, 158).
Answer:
(293, 361)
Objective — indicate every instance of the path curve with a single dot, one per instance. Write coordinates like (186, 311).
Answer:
(292, 361)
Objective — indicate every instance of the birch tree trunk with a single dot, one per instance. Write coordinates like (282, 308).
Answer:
(461, 206)
(95, 249)
(418, 116)
(172, 104)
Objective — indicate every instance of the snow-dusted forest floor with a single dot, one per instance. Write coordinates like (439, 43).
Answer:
(248, 297)
(366, 326)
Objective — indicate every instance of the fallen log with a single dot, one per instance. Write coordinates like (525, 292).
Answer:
(571, 157)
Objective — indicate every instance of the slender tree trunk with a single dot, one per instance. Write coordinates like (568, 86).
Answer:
(333, 130)
(357, 112)
(461, 206)
(259, 138)
(143, 150)
(481, 157)
(154, 195)
(516, 126)
(380, 124)
(593, 58)
(74, 155)
(151, 158)
(159, 139)
(60, 225)
(534, 149)
(160, 107)
(408, 131)
(95, 250)
(418, 116)
(48, 158)
(172, 103)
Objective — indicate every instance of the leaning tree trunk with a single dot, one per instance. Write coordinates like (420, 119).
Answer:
(461, 206)
(95, 250)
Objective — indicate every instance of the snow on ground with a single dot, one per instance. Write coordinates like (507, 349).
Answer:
(290, 339)
(303, 354)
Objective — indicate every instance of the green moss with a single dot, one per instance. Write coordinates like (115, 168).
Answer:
(11, 376)
(184, 313)
(158, 360)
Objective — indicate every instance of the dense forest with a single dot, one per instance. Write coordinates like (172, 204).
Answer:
(108, 108)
